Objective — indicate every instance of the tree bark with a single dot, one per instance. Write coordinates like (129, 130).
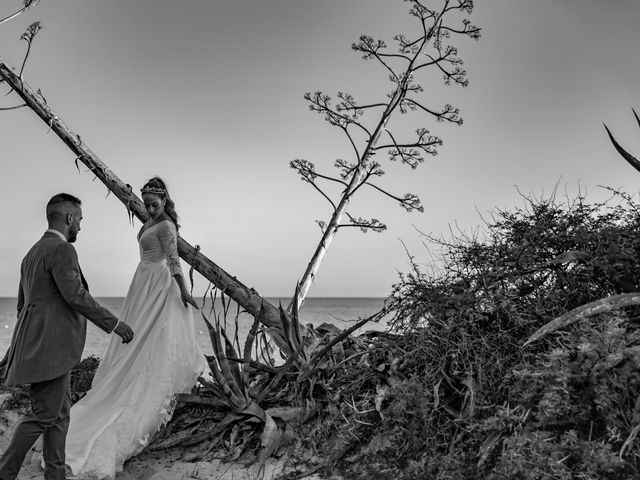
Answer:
(246, 297)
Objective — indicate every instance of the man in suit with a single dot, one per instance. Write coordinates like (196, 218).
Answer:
(49, 337)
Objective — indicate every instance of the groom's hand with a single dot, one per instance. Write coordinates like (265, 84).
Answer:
(124, 331)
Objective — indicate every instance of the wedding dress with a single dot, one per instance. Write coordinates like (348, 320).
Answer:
(133, 390)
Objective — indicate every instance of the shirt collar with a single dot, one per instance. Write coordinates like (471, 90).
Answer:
(51, 230)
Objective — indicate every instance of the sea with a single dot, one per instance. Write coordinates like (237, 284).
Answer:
(341, 312)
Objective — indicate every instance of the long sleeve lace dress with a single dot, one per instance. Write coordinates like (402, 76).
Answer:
(133, 391)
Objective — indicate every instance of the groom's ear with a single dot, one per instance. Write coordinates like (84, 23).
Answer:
(69, 218)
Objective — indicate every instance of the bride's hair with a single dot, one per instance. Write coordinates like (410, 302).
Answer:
(156, 185)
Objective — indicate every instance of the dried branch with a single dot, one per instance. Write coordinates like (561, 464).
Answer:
(408, 47)
(308, 173)
(339, 338)
(374, 170)
(363, 224)
(468, 29)
(409, 202)
(346, 168)
(341, 107)
(449, 56)
(27, 4)
(402, 67)
(370, 48)
(321, 103)
(448, 113)
(28, 36)
(607, 304)
(13, 108)
(409, 153)
(348, 103)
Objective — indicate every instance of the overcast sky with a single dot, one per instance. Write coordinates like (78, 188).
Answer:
(209, 95)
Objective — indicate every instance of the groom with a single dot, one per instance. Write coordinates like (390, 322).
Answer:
(49, 337)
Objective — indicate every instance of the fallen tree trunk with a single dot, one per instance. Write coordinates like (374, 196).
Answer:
(246, 297)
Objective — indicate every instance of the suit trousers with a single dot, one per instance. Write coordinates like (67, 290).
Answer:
(50, 405)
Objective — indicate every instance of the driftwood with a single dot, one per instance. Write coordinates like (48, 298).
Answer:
(607, 304)
(246, 297)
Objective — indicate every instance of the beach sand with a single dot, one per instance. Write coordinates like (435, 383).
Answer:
(166, 465)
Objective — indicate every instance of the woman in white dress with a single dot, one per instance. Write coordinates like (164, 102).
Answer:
(133, 390)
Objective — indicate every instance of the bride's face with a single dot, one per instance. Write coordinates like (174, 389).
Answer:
(154, 204)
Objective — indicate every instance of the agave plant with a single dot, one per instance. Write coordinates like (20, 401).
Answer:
(230, 390)
(243, 387)
(233, 386)
(633, 161)
(289, 335)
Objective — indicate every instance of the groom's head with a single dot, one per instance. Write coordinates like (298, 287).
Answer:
(64, 214)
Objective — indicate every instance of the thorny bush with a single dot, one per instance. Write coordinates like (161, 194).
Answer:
(458, 395)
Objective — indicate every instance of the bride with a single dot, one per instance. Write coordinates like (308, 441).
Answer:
(133, 390)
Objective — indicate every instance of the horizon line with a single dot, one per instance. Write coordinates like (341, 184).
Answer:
(264, 296)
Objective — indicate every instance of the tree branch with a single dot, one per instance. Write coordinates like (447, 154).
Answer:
(13, 108)
(307, 172)
(363, 224)
(457, 75)
(373, 170)
(347, 112)
(28, 36)
(409, 202)
(449, 56)
(353, 143)
(320, 103)
(370, 49)
(448, 113)
(408, 153)
(347, 168)
(323, 194)
(27, 5)
(398, 149)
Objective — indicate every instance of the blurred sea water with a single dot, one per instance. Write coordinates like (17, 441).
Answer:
(342, 312)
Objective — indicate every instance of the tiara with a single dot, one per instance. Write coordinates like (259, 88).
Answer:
(156, 190)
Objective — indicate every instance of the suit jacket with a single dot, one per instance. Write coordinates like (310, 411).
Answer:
(53, 299)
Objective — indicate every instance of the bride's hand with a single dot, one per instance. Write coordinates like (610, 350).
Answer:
(188, 299)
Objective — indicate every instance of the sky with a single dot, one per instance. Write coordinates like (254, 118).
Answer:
(208, 94)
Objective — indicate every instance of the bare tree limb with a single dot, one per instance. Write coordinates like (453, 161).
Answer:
(246, 297)
(363, 224)
(27, 4)
(308, 174)
(28, 36)
(14, 107)
(409, 202)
